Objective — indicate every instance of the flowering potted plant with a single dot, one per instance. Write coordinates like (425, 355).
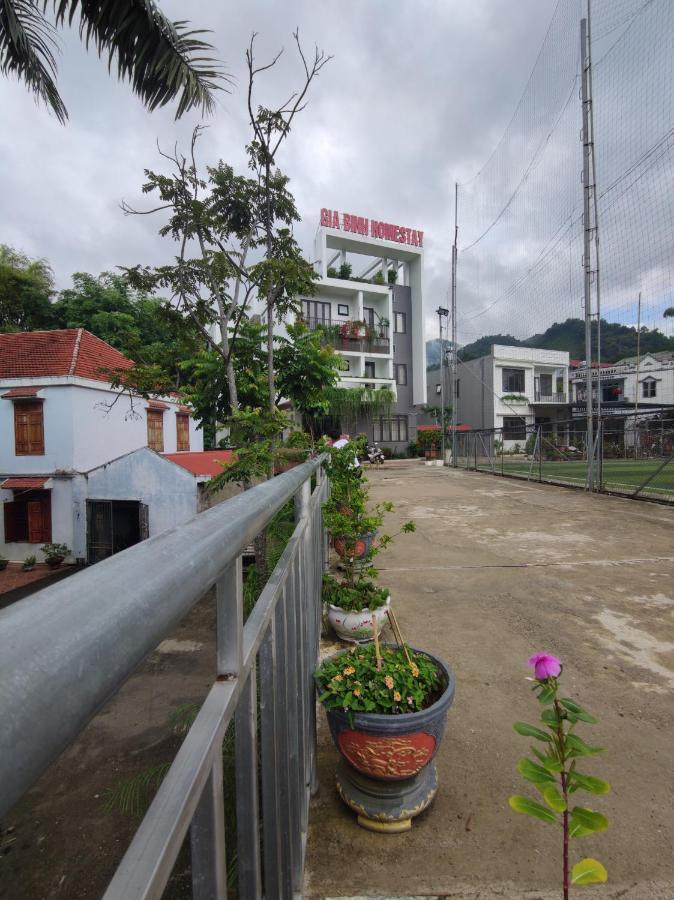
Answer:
(386, 710)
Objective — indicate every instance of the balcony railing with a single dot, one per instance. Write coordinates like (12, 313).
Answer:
(352, 336)
(540, 397)
(67, 649)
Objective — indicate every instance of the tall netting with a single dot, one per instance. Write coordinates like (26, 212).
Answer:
(520, 217)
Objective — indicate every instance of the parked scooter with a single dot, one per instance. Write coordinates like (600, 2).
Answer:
(375, 455)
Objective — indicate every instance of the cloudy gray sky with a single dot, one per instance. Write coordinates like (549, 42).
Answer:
(417, 95)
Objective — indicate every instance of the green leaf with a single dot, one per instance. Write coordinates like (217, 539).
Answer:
(590, 783)
(549, 716)
(553, 798)
(546, 695)
(586, 821)
(580, 748)
(552, 765)
(531, 808)
(588, 871)
(533, 772)
(531, 731)
(577, 711)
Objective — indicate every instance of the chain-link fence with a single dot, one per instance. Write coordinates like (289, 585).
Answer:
(632, 454)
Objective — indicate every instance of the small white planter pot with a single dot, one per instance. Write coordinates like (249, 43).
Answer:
(356, 627)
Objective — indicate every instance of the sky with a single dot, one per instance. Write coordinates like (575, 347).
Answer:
(416, 96)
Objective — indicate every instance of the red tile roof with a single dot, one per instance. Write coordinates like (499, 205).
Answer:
(204, 462)
(14, 393)
(68, 351)
(23, 484)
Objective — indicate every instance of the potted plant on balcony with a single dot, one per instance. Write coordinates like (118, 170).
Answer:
(387, 711)
(55, 554)
(29, 564)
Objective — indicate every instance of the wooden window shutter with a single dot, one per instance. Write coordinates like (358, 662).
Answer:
(39, 521)
(9, 509)
(155, 430)
(29, 428)
(182, 431)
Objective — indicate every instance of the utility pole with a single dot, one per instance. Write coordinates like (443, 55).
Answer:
(587, 257)
(635, 430)
(441, 311)
(454, 348)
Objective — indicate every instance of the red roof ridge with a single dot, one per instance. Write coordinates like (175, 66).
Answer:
(76, 351)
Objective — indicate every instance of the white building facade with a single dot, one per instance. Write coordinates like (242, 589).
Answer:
(80, 462)
(629, 384)
(514, 388)
(369, 305)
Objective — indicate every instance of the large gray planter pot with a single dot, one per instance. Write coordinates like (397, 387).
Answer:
(387, 773)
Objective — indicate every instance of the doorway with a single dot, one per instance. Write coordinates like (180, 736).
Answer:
(114, 525)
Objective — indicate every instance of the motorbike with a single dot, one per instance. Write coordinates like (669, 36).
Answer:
(375, 455)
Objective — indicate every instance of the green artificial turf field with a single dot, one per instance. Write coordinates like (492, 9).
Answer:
(619, 473)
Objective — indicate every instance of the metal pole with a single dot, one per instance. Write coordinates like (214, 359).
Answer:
(595, 203)
(454, 350)
(442, 389)
(636, 384)
(587, 262)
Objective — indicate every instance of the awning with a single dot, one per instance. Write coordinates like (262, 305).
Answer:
(16, 393)
(19, 483)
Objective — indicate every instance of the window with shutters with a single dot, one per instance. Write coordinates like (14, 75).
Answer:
(155, 430)
(28, 428)
(183, 431)
(28, 518)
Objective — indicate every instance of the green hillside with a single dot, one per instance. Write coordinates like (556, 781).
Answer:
(617, 341)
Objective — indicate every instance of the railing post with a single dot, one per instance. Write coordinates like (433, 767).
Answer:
(229, 638)
(207, 836)
(270, 766)
(247, 793)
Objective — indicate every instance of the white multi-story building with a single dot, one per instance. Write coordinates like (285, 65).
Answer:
(631, 384)
(512, 388)
(373, 316)
(81, 464)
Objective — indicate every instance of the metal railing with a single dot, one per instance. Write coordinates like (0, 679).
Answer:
(353, 336)
(540, 397)
(67, 649)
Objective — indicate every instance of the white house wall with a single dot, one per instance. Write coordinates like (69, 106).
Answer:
(63, 525)
(170, 492)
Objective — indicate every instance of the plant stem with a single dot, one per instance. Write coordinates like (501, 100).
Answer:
(565, 793)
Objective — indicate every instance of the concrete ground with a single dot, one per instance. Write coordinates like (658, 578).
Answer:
(496, 571)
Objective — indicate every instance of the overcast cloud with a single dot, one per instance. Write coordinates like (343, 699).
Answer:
(417, 95)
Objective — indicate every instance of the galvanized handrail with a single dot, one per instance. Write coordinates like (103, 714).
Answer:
(67, 650)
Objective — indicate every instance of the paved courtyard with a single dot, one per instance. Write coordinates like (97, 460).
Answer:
(497, 570)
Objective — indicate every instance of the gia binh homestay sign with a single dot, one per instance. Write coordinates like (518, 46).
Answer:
(331, 218)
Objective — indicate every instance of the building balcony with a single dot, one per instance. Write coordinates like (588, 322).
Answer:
(540, 397)
(352, 336)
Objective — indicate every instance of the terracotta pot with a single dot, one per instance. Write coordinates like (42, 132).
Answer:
(386, 773)
(356, 627)
(55, 561)
(359, 549)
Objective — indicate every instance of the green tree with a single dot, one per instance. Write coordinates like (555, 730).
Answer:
(26, 287)
(161, 59)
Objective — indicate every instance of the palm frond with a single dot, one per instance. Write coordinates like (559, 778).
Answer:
(133, 795)
(161, 59)
(26, 50)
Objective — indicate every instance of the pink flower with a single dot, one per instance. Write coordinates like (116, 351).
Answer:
(545, 666)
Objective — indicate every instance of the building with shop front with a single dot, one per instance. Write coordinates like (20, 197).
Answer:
(373, 317)
(81, 463)
(512, 389)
